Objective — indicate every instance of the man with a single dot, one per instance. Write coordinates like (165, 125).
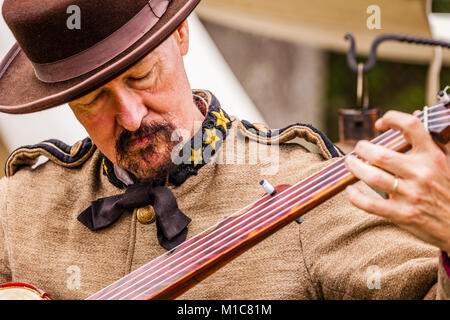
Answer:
(147, 128)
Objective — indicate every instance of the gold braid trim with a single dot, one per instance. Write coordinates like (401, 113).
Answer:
(289, 134)
(28, 157)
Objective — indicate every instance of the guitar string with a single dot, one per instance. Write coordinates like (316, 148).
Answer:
(250, 205)
(183, 249)
(443, 118)
(227, 235)
(247, 226)
(153, 260)
(222, 221)
(440, 125)
(272, 218)
(243, 216)
(183, 270)
(267, 221)
(420, 117)
(204, 243)
(436, 112)
(251, 227)
(170, 255)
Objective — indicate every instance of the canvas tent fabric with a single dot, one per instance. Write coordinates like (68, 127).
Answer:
(324, 23)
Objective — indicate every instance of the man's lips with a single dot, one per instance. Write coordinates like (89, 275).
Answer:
(139, 142)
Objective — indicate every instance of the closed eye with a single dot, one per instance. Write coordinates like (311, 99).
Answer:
(95, 99)
(141, 78)
(146, 76)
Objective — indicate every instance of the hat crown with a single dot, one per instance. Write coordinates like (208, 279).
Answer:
(44, 29)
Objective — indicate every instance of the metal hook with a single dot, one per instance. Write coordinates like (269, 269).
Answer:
(362, 88)
(351, 54)
(360, 85)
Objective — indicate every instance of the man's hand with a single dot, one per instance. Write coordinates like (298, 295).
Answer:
(421, 201)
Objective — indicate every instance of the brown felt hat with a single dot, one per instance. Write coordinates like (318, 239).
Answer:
(67, 48)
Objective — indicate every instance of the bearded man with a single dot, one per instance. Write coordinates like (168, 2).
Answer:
(164, 162)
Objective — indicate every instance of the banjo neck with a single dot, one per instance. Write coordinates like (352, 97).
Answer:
(173, 273)
(176, 271)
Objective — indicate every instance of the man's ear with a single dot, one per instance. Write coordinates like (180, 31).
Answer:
(182, 37)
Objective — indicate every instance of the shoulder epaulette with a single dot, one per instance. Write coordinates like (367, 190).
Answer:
(261, 133)
(55, 150)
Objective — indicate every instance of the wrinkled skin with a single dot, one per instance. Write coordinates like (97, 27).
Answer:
(131, 119)
(421, 203)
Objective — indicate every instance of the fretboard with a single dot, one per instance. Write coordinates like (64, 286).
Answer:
(173, 273)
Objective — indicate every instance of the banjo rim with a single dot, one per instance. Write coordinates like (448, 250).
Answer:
(44, 295)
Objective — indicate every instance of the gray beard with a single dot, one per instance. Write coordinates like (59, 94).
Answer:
(131, 161)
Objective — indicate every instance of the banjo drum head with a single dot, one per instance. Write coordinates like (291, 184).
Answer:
(21, 291)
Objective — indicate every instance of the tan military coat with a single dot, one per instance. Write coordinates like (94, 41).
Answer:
(337, 252)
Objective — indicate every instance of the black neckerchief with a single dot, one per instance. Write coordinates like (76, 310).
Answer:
(209, 138)
(171, 223)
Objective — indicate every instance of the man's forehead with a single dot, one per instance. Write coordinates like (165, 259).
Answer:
(141, 66)
(149, 60)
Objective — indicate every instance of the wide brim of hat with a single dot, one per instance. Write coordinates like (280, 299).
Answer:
(22, 92)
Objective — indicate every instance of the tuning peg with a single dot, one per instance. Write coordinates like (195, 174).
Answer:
(268, 187)
(443, 96)
(441, 130)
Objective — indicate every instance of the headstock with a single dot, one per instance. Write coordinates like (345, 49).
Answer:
(437, 118)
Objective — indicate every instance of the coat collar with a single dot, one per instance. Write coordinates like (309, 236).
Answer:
(195, 153)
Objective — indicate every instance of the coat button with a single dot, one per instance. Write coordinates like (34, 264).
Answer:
(146, 215)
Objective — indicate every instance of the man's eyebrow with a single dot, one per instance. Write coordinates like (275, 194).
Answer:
(148, 65)
(136, 68)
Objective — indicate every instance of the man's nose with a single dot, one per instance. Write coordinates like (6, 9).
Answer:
(130, 109)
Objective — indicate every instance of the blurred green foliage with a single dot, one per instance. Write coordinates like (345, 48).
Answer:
(392, 86)
(441, 6)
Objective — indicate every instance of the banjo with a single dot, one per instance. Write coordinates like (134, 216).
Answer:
(181, 268)
(21, 291)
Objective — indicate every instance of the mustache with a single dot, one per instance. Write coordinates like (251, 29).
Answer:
(162, 128)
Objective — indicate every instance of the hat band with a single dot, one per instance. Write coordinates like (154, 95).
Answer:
(105, 50)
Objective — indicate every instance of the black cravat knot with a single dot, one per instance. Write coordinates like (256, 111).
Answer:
(171, 223)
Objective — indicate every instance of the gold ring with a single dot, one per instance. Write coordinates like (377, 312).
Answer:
(394, 189)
